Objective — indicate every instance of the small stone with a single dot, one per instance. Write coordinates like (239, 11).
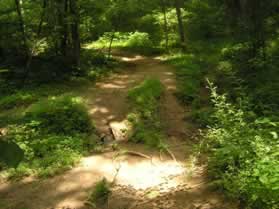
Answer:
(120, 130)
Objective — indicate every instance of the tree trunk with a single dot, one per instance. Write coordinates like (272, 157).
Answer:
(42, 17)
(180, 23)
(64, 27)
(75, 32)
(28, 52)
(110, 43)
(18, 4)
(165, 24)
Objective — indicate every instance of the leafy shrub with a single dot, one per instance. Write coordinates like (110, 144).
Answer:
(53, 135)
(145, 102)
(45, 154)
(120, 39)
(61, 115)
(139, 40)
(243, 154)
(189, 76)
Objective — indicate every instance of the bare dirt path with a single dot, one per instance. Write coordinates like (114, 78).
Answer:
(140, 183)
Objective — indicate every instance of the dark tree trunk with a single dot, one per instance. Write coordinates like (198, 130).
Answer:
(22, 26)
(27, 50)
(64, 27)
(110, 43)
(75, 32)
(180, 23)
(165, 24)
(42, 17)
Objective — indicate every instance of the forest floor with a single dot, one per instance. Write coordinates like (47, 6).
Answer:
(140, 183)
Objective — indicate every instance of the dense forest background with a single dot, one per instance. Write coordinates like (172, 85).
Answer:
(226, 53)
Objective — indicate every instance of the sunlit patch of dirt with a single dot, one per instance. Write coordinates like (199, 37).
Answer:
(131, 59)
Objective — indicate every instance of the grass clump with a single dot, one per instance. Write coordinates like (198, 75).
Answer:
(53, 135)
(100, 193)
(62, 115)
(145, 118)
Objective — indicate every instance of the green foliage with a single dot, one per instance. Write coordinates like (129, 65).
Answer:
(18, 99)
(119, 40)
(53, 136)
(189, 76)
(101, 192)
(145, 119)
(243, 154)
(62, 115)
(139, 41)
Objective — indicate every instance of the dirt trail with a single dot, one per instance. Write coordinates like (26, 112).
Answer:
(140, 183)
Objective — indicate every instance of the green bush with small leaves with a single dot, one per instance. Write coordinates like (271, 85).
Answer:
(139, 40)
(243, 154)
(53, 134)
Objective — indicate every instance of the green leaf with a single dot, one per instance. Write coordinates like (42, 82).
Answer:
(274, 134)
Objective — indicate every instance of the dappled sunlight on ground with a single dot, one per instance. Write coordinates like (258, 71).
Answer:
(134, 171)
(143, 175)
(131, 59)
(140, 183)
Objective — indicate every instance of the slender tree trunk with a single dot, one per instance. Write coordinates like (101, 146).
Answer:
(18, 4)
(110, 43)
(64, 26)
(75, 32)
(163, 3)
(42, 17)
(28, 52)
(180, 23)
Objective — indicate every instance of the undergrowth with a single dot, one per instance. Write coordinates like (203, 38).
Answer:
(100, 193)
(243, 153)
(145, 99)
(241, 138)
(190, 73)
(53, 133)
(139, 42)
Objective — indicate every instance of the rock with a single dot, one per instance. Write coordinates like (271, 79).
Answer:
(121, 130)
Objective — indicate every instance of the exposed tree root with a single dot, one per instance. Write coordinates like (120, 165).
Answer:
(134, 153)
(171, 154)
(139, 154)
(88, 203)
